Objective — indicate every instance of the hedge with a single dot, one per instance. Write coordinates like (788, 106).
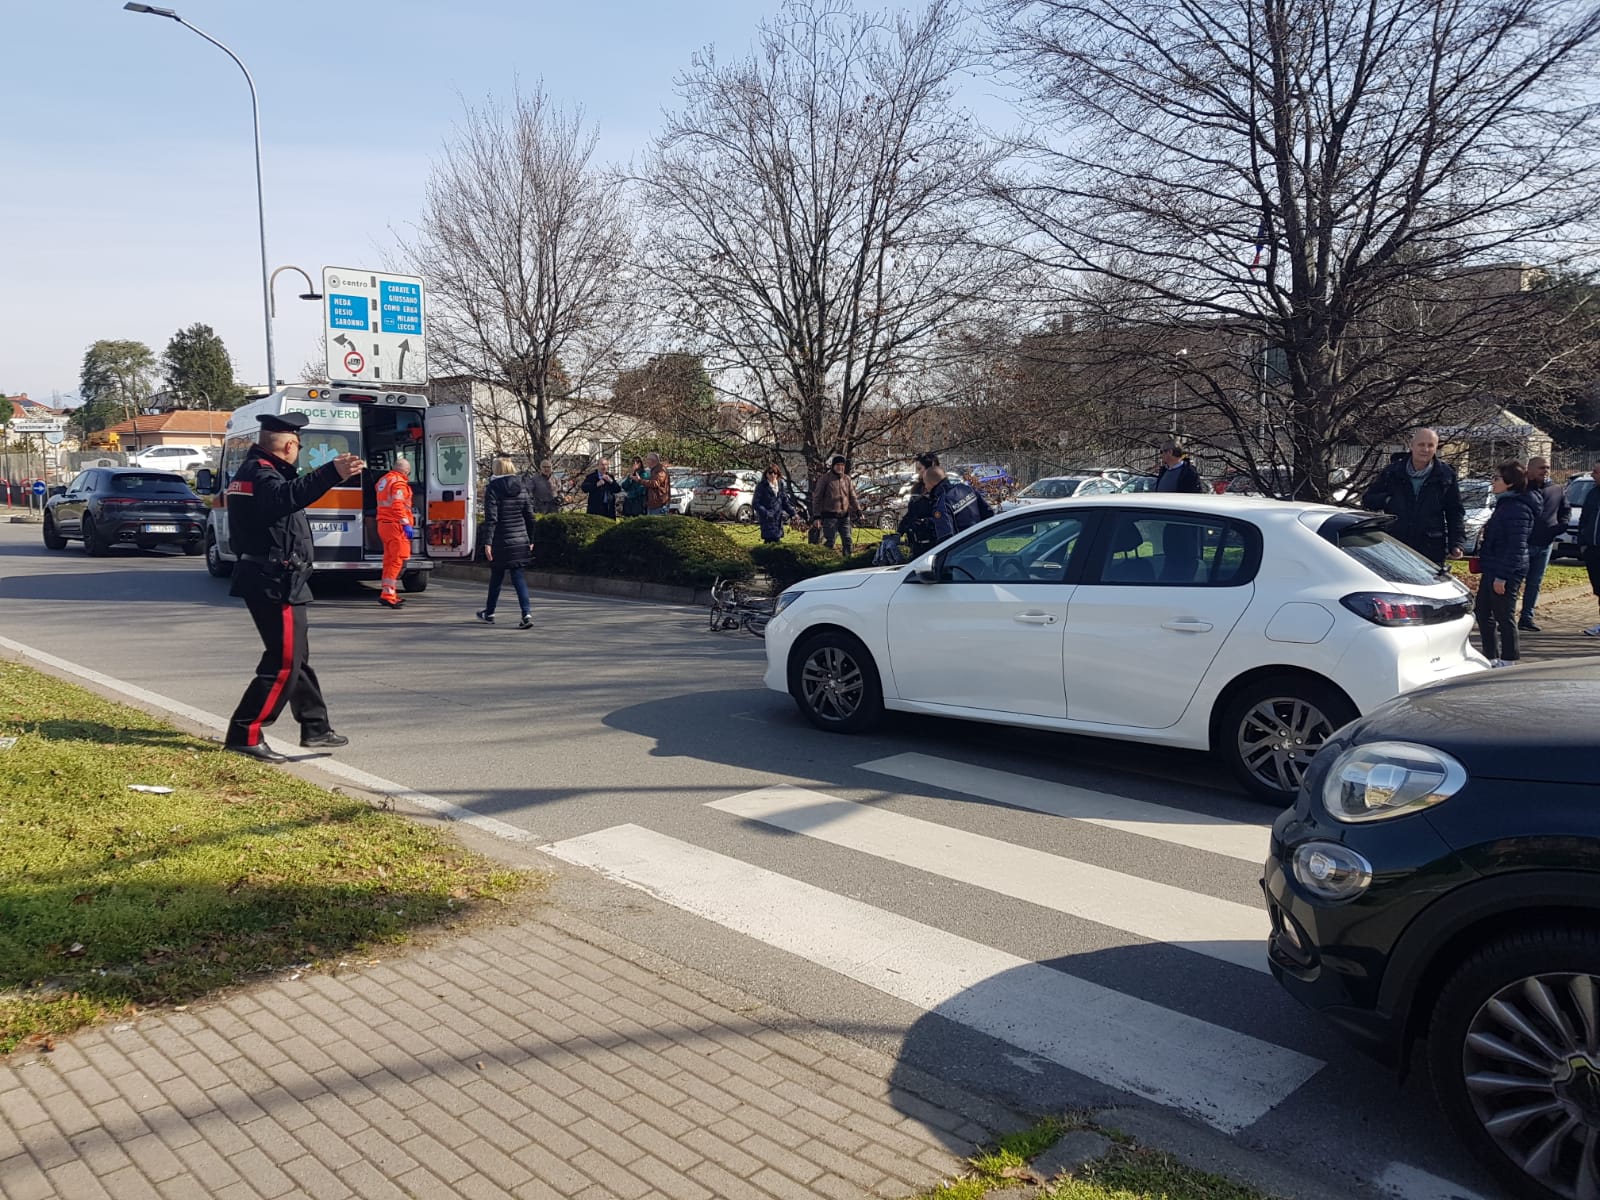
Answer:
(669, 549)
(561, 541)
(787, 563)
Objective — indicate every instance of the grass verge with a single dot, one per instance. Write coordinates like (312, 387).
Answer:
(1127, 1172)
(1556, 576)
(113, 900)
(750, 535)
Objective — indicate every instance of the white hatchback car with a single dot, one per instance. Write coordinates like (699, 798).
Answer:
(1250, 627)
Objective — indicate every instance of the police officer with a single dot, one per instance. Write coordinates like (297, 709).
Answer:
(272, 539)
(955, 505)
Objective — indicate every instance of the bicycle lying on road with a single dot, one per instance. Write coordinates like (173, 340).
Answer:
(733, 607)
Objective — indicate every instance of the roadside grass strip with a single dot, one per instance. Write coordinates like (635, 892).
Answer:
(113, 900)
(1127, 1171)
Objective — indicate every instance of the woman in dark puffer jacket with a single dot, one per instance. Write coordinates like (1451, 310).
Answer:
(1503, 558)
(507, 537)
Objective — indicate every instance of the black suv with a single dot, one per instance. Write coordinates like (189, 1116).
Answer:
(125, 506)
(1438, 878)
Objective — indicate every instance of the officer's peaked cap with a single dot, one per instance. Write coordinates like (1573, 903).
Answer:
(287, 423)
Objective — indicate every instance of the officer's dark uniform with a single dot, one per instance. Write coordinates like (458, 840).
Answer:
(271, 536)
(956, 506)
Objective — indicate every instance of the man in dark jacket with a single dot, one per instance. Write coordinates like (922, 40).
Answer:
(1555, 513)
(1589, 539)
(602, 489)
(1421, 491)
(542, 488)
(269, 532)
(956, 506)
(1177, 472)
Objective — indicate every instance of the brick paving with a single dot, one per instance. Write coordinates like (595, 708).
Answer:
(542, 1059)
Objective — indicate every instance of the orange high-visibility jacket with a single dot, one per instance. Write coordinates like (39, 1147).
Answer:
(394, 501)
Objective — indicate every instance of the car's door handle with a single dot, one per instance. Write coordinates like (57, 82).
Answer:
(1187, 625)
(1035, 618)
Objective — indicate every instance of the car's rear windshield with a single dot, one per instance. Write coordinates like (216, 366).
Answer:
(1385, 556)
(1051, 489)
(150, 485)
(724, 481)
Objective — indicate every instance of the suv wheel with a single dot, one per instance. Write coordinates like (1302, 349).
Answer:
(1272, 728)
(1514, 1050)
(835, 682)
(92, 545)
(218, 566)
(52, 539)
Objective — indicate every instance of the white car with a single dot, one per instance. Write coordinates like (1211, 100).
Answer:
(172, 458)
(1061, 487)
(1246, 626)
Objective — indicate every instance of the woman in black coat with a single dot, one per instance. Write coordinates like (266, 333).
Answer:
(772, 504)
(507, 537)
(1503, 559)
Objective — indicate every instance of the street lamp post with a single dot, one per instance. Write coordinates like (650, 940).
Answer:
(261, 206)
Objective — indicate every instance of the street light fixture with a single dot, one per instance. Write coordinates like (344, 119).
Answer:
(310, 293)
(261, 206)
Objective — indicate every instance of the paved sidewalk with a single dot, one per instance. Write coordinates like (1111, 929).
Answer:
(540, 1059)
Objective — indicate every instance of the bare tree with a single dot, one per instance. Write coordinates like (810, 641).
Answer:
(1306, 218)
(526, 247)
(814, 206)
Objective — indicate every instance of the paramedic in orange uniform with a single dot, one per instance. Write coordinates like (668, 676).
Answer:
(394, 527)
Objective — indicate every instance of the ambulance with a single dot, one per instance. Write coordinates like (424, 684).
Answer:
(382, 427)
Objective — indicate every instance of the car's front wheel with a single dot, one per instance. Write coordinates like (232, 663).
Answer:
(52, 537)
(835, 682)
(1273, 726)
(218, 566)
(1514, 1049)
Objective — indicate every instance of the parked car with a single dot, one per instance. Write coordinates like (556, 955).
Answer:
(1252, 628)
(884, 500)
(683, 486)
(1438, 879)
(1061, 487)
(173, 458)
(1135, 484)
(728, 495)
(1120, 474)
(1477, 497)
(1566, 545)
(126, 506)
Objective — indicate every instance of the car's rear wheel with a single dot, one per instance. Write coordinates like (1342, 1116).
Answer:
(92, 545)
(218, 566)
(193, 547)
(414, 581)
(1273, 726)
(745, 514)
(1514, 1049)
(887, 522)
(835, 682)
(52, 539)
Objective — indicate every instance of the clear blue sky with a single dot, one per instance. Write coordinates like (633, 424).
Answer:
(127, 208)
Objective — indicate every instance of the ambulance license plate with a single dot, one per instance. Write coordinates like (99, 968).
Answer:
(330, 527)
(160, 529)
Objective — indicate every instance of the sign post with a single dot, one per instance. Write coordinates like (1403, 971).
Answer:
(374, 326)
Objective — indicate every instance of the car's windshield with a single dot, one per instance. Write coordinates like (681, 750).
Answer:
(1050, 489)
(150, 485)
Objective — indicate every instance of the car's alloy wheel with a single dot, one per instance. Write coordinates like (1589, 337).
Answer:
(1277, 738)
(1514, 1052)
(92, 545)
(835, 682)
(745, 514)
(52, 539)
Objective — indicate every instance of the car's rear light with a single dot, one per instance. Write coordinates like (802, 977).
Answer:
(109, 501)
(729, 492)
(1398, 608)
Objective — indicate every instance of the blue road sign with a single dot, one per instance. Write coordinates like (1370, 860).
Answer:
(38, 487)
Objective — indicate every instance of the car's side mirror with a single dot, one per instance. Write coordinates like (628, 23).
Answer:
(927, 569)
(204, 481)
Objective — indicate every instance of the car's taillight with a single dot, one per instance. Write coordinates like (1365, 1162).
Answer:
(112, 500)
(730, 491)
(1398, 608)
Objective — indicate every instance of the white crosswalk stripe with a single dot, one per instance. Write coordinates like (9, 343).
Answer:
(1227, 1078)
(1197, 831)
(1221, 929)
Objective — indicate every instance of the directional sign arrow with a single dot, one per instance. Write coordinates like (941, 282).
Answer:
(341, 340)
(404, 347)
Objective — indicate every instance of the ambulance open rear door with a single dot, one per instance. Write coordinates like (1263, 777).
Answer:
(452, 518)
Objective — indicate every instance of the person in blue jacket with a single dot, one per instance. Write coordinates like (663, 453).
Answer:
(1503, 561)
(955, 505)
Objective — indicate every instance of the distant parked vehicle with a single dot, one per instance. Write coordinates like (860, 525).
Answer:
(683, 486)
(1566, 546)
(1477, 497)
(172, 458)
(1135, 484)
(729, 495)
(126, 506)
(1061, 487)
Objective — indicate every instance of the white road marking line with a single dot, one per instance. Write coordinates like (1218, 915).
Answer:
(1226, 1078)
(1198, 831)
(145, 698)
(1413, 1183)
(1221, 929)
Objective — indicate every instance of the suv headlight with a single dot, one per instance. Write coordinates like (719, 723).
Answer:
(786, 599)
(1387, 779)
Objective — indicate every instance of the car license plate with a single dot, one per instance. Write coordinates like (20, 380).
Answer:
(160, 529)
(330, 527)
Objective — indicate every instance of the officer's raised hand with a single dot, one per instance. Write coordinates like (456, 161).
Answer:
(348, 465)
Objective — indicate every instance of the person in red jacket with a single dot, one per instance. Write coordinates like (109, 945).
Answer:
(394, 528)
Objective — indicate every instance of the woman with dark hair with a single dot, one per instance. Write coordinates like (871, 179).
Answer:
(1503, 559)
(772, 504)
(633, 491)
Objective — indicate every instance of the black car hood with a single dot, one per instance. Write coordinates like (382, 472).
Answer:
(1536, 723)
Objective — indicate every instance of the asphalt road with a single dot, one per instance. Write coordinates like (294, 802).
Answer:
(1105, 915)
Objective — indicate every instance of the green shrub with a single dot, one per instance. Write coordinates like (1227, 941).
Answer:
(787, 563)
(561, 541)
(680, 550)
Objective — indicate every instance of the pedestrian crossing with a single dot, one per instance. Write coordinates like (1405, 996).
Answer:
(1220, 1074)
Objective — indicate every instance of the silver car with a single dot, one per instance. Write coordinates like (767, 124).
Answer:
(683, 488)
(1477, 498)
(728, 495)
(1566, 545)
(1061, 487)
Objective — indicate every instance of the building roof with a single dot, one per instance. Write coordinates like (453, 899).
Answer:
(25, 408)
(180, 420)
